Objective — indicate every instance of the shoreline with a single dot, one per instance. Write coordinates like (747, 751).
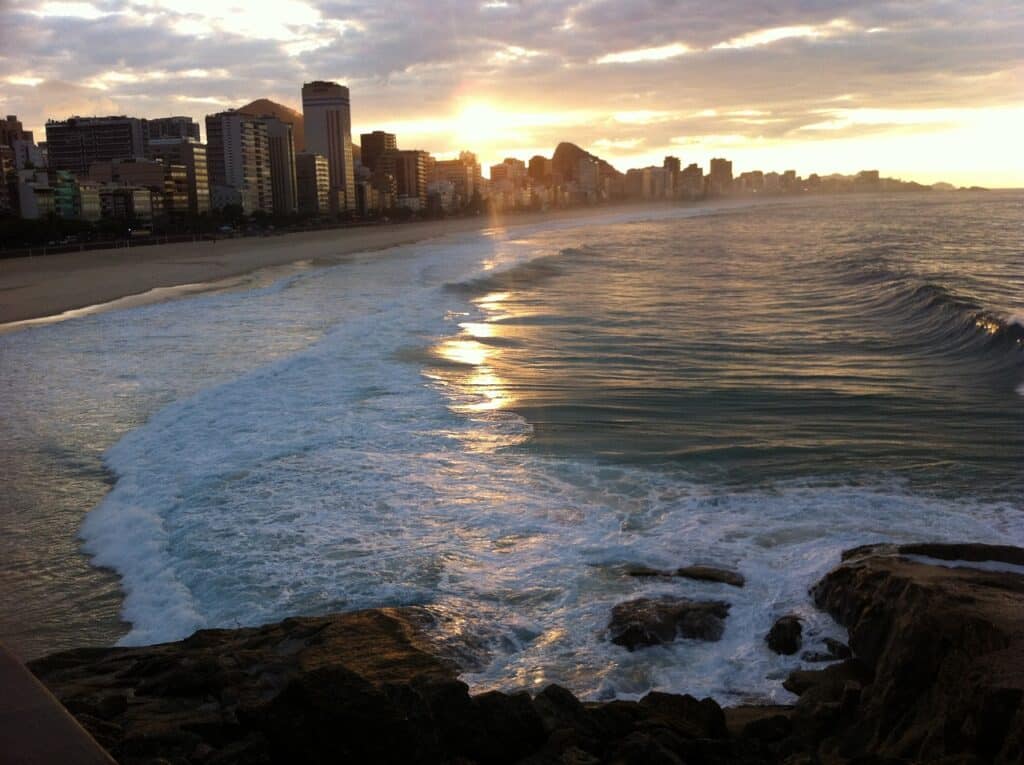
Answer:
(46, 289)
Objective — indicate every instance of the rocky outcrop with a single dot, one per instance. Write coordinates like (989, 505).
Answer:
(699, 573)
(786, 635)
(939, 656)
(652, 621)
(936, 676)
(360, 688)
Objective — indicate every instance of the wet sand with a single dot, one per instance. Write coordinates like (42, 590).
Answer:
(82, 282)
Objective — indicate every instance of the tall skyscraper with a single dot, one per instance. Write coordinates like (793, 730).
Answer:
(238, 155)
(76, 143)
(282, 165)
(720, 177)
(373, 145)
(328, 121)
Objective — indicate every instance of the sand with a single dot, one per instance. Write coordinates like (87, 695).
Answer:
(39, 289)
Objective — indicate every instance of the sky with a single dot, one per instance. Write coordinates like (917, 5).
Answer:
(926, 90)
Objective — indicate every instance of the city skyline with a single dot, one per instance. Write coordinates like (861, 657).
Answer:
(928, 94)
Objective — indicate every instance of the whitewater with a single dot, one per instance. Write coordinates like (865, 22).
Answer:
(348, 438)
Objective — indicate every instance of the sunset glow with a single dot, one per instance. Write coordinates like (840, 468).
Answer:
(832, 88)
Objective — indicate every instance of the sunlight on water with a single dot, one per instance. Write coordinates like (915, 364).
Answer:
(498, 426)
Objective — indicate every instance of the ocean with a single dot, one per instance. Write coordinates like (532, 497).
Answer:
(498, 425)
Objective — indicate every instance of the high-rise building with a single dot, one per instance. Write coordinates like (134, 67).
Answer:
(673, 165)
(540, 169)
(76, 143)
(372, 145)
(238, 158)
(691, 182)
(313, 184)
(172, 127)
(720, 177)
(409, 167)
(192, 155)
(459, 174)
(511, 170)
(282, 166)
(328, 121)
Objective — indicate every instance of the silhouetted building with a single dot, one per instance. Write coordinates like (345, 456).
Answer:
(540, 169)
(76, 143)
(409, 168)
(238, 157)
(511, 171)
(457, 173)
(172, 127)
(192, 156)
(283, 183)
(691, 182)
(313, 182)
(372, 145)
(328, 120)
(720, 177)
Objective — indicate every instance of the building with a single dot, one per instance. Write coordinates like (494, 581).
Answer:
(441, 196)
(409, 168)
(127, 203)
(283, 183)
(372, 145)
(540, 170)
(691, 183)
(238, 159)
(172, 127)
(11, 130)
(35, 195)
(65, 194)
(328, 122)
(8, 181)
(90, 207)
(459, 175)
(313, 184)
(511, 171)
(720, 177)
(192, 156)
(168, 183)
(76, 143)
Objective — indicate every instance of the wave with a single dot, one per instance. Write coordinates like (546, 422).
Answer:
(523, 275)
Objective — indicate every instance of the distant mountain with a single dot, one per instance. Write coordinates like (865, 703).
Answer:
(944, 187)
(566, 161)
(265, 107)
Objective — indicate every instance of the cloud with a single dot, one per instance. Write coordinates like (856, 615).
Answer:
(638, 73)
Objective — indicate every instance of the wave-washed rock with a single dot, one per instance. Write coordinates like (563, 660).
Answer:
(937, 675)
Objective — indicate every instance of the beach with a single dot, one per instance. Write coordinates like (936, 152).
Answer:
(47, 286)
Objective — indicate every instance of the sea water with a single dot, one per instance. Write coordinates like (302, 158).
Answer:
(497, 426)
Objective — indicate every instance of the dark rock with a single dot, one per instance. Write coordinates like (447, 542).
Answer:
(647, 571)
(652, 621)
(785, 635)
(768, 729)
(834, 651)
(685, 715)
(945, 650)
(937, 676)
(712, 574)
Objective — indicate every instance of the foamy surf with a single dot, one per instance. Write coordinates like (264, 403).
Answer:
(359, 470)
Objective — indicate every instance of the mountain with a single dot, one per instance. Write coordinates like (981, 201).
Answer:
(565, 162)
(265, 107)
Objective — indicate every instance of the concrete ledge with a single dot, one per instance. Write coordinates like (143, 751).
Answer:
(34, 728)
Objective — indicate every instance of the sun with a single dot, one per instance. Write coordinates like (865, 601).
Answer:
(479, 124)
